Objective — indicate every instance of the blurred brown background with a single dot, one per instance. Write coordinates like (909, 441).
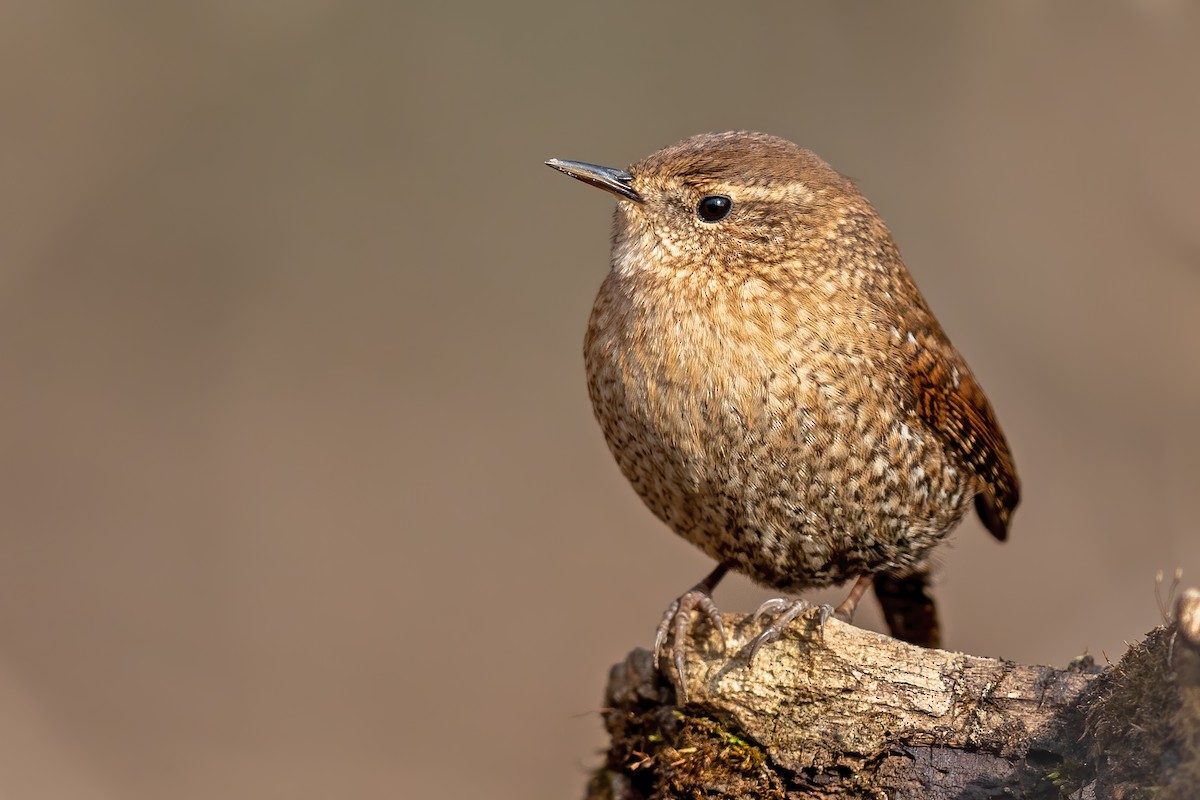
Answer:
(302, 495)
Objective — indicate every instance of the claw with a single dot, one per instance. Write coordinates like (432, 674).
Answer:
(660, 635)
(790, 609)
(824, 612)
(680, 659)
(770, 607)
(678, 619)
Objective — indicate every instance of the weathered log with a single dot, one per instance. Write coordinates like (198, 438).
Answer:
(845, 712)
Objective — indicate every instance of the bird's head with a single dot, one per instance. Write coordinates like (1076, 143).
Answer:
(723, 201)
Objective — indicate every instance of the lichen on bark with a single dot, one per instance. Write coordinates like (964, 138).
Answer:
(843, 712)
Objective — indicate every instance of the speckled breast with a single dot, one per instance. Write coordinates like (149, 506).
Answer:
(768, 432)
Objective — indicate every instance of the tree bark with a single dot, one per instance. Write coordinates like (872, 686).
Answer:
(845, 712)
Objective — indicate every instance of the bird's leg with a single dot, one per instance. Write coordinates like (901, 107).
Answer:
(788, 610)
(845, 609)
(679, 616)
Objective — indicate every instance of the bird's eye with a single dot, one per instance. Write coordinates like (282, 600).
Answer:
(714, 208)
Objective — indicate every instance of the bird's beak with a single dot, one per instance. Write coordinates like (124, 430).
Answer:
(617, 181)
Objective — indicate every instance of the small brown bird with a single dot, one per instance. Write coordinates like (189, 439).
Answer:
(771, 381)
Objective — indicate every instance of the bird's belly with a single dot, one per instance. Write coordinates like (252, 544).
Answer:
(798, 475)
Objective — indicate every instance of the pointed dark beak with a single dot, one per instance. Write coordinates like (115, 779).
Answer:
(617, 181)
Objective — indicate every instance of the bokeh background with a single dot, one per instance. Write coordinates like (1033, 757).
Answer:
(300, 491)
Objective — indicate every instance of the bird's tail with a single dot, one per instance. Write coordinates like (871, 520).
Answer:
(908, 607)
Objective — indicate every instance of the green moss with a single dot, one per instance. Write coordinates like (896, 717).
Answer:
(599, 786)
(683, 754)
(1069, 776)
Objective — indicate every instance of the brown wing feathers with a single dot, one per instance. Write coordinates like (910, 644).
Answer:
(950, 402)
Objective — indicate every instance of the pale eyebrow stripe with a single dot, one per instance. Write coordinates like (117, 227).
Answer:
(760, 193)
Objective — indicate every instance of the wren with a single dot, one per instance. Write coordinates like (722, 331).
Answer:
(773, 384)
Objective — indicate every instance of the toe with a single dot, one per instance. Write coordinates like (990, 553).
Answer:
(824, 612)
(714, 618)
(660, 635)
(679, 655)
(771, 606)
(789, 610)
(676, 624)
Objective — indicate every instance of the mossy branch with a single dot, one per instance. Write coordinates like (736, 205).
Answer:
(851, 713)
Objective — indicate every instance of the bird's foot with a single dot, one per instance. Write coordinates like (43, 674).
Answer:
(678, 619)
(785, 611)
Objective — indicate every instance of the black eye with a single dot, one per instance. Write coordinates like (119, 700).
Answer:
(714, 208)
